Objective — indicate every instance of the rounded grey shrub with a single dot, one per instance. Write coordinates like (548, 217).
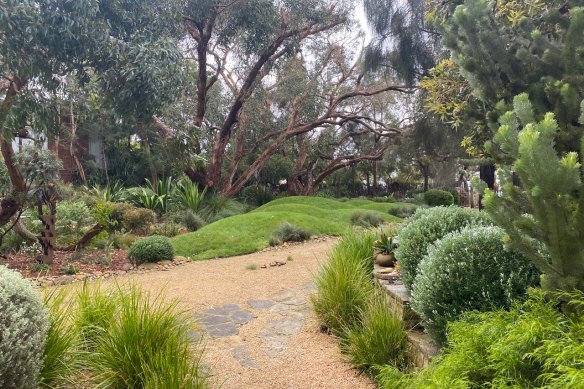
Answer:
(427, 226)
(468, 270)
(23, 332)
(151, 249)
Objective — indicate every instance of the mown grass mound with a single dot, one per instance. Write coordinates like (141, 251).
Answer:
(250, 232)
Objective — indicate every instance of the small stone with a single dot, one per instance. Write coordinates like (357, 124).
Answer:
(127, 267)
(165, 263)
(149, 266)
(63, 280)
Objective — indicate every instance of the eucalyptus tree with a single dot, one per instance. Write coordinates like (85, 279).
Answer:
(243, 44)
(123, 44)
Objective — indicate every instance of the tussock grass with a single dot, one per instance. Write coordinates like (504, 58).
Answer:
(380, 339)
(344, 283)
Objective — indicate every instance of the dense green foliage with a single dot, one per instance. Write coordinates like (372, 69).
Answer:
(151, 249)
(548, 207)
(23, 332)
(344, 283)
(468, 270)
(317, 215)
(438, 198)
(427, 226)
(532, 345)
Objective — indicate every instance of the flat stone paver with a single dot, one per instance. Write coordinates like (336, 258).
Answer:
(225, 320)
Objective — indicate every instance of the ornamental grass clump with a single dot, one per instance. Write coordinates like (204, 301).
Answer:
(23, 332)
(344, 283)
(287, 232)
(468, 270)
(380, 338)
(366, 219)
(424, 228)
(151, 249)
(145, 345)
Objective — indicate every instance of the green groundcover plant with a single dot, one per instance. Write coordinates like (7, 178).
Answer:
(532, 345)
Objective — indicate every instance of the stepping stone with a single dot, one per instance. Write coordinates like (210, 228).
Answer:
(285, 295)
(241, 317)
(282, 327)
(222, 330)
(212, 320)
(241, 354)
(224, 310)
(261, 304)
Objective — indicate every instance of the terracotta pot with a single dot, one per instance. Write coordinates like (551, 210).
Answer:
(385, 260)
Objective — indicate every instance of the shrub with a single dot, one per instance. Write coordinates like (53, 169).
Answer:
(192, 221)
(188, 196)
(344, 283)
(124, 241)
(468, 270)
(438, 198)
(257, 195)
(379, 339)
(366, 219)
(167, 229)
(145, 345)
(217, 207)
(138, 220)
(151, 249)
(132, 219)
(287, 232)
(23, 332)
(531, 346)
(72, 218)
(427, 226)
(402, 211)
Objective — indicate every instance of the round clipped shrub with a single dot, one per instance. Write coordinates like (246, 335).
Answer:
(468, 270)
(23, 332)
(151, 249)
(427, 226)
(437, 198)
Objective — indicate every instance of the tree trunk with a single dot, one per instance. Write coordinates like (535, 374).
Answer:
(487, 174)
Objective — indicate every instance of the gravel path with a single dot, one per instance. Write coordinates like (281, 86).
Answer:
(257, 325)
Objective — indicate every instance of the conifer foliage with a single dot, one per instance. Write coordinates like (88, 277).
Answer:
(543, 216)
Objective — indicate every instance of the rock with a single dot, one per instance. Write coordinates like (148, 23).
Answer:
(127, 267)
(260, 304)
(165, 263)
(149, 266)
(222, 330)
(241, 354)
(63, 280)
(180, 259)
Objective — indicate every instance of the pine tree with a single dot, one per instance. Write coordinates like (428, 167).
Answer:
(544, 215)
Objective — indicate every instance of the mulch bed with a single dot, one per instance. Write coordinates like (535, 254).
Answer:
(87, 261)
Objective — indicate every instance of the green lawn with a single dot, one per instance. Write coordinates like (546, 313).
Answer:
(251, 232)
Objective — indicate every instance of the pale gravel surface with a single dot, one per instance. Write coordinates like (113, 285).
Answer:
(306, 358)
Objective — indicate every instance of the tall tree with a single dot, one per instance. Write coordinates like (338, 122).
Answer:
(243, 42)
